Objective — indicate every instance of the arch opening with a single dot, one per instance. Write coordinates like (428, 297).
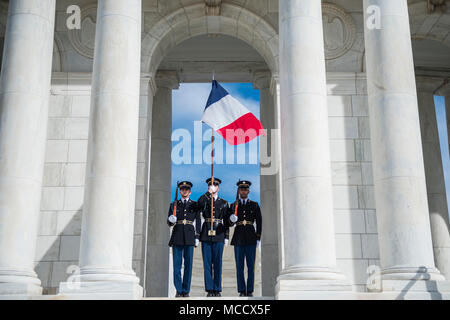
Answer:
(235, 46)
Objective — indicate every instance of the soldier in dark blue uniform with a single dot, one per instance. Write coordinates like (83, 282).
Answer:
(213, 239)
(245, 238)
(184, 237)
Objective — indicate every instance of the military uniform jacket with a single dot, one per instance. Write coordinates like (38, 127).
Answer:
(245, 233)
(185, 234)
(221, 211)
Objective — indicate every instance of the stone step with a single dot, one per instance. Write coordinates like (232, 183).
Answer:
(210, 298)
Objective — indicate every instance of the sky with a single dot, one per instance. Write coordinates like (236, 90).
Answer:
(188, 103)
(443, 140)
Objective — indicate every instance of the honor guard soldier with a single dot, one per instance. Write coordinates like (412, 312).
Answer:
(214, 236)
(186, 224)
(245, 238)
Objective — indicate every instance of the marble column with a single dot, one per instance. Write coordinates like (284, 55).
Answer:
(404, 233)
(24, 98)
(109, 199)
(158, 262)
(268, 186)
(434, 173)
(275, 91)
(308, 226)
(148, 95)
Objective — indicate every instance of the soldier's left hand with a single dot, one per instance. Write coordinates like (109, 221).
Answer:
(197, 242)
(226, 242)
(258, 242)
(172, 219)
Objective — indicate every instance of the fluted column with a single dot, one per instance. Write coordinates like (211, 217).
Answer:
(308, 227)
(268, 185)
(158, 262)
(403, 221)
(24, 97)
(434, 173)
(275, 91)
(109, 200)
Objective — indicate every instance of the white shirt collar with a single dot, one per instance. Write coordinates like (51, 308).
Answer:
(215, 197)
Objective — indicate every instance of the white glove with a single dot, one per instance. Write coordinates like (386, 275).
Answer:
(233, 218)
(172, 219)
(197, 242)
(258, 242)
(226, 242)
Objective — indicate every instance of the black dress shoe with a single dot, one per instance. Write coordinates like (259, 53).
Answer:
(185, 294)
(218, 294)
(242, 294)
(249, 294)
(210, 294)
(178, 295)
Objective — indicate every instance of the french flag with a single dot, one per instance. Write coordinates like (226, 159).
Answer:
(227, 116)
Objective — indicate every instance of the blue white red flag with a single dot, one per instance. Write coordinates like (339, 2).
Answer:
(227, 116)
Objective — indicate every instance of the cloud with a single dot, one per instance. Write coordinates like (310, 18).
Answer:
(189, 100)
(443, 139)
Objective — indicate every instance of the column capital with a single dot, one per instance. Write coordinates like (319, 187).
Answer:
(167, 79)
(431, 84)
(444, 89)
(273, 83)
(261, 79)
(148, 83)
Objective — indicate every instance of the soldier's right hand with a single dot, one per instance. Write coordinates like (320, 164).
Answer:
(172, 219)
(233, 218)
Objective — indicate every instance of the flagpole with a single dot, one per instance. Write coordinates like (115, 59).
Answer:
(212, 181)
(212, 232)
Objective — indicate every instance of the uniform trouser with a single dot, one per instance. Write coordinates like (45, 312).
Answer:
(180, 253)
(248, 254)
(212, 265)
